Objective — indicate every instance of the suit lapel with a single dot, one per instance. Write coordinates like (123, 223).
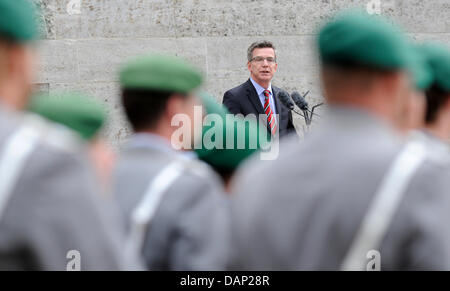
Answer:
(253, 97)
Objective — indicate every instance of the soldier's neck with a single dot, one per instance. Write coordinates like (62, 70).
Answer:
(441, 127)
(11, 97)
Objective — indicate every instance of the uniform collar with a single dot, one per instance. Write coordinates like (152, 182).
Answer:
(150, 140)
(438, 150)
(4, 109)
(7, 113)
(155, 142)
(434, 140)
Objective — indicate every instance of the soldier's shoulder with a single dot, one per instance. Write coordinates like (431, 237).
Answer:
(430, 183)
(196, 185)
(48, 143)
(197, 180)
(53, 137)
(436, 166)
(200, 171)
(439, 161)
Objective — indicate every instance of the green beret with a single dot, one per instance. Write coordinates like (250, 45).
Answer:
(222, 158)
(357, 38)
(18, 20)
(80, 113)
(421, 70)
(158, 72)
(438, 57)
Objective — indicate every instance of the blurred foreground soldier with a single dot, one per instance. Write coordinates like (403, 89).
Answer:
(352, 195)
(50, 215)
(85, 116)
(247, 139)
(437, 127)
(414, 115)
(174, 204)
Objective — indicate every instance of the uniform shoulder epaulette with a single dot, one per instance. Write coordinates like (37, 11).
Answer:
(54, 135)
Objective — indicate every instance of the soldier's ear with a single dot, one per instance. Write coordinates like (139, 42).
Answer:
(175, 105)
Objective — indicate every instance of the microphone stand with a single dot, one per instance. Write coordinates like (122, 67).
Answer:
(308, 114)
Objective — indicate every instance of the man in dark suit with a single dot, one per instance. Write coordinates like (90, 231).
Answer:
(257, 95)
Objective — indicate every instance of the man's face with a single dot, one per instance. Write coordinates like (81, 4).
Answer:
(263, 65)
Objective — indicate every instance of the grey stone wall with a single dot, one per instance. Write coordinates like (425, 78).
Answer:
(85, 41)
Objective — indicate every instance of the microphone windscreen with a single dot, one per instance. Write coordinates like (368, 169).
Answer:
(299, 101)
(283, 96)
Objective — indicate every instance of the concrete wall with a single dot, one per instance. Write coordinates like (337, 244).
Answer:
(86, 40)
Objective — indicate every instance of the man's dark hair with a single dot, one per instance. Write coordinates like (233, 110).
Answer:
(259, 44)
(143, 107)
(436, 98)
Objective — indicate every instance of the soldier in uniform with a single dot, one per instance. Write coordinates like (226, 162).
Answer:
(175, 207)
(354, 196)
(414, 117)
(436, 131)
(86, 116)
(51, 217)
(233, 141)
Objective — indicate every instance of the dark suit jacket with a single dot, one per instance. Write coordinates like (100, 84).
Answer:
(244, 99)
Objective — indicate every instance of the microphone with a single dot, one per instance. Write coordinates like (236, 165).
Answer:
(285, 99)
(300, 101)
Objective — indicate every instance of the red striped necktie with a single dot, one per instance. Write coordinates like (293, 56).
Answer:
(270, 116)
